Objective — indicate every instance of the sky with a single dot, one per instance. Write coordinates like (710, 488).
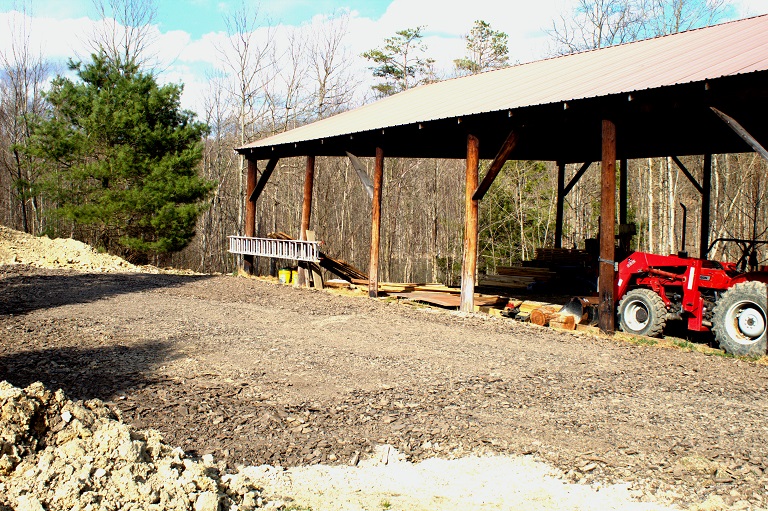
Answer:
(188, 32)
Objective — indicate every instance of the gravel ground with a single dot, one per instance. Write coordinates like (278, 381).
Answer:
(254, 373)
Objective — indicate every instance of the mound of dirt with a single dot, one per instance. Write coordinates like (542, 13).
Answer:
(42, 252)
(57, 454)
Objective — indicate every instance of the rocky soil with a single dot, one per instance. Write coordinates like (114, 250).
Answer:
(352, 398)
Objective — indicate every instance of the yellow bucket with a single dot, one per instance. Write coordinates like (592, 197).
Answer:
(294, 276)
(284, 275)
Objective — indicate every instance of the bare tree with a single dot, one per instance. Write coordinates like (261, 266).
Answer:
(330, 63)
(245, 61)
(126, 33)
(23, 74)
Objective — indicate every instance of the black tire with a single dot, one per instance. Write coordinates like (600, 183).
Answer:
(739, 321)
(642, 312)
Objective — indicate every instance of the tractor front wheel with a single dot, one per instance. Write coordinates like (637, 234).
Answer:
(642, 312)
(739, 321)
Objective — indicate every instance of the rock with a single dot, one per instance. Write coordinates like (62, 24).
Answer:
(97, 462)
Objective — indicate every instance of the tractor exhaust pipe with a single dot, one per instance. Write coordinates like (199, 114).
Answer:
(683, 252)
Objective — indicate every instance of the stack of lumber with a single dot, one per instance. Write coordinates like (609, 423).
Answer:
(336, 266)
(516, 277)
(563, 256)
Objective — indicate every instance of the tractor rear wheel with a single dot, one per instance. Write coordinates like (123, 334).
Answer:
(739, 321)
(642, 312)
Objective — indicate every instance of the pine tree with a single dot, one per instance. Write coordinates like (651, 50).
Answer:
(486, 49)
(124, 158)
(401, 62)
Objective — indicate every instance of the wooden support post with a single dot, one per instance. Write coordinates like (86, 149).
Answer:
(469, 263)
(378, 181)
(560, 204)
(623, 170)
(607, 228)
(250, 213)
(306, 211)
(706, 189)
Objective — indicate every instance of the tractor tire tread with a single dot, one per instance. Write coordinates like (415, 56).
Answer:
(657, 309)
(752, 290)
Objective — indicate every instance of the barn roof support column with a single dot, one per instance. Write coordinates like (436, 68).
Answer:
(560, 204)
(706, 192)
(306, 210)
(250, 212)
(378, 181)
(607, 227)
(469, 263)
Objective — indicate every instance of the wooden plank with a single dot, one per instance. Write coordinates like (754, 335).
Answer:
(607, 227)
(317, 277)
(469, 262)
(378, 178)
(449, 299)
(496, 165)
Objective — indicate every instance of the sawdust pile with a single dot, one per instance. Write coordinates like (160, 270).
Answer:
(42, 252)
(57, 454)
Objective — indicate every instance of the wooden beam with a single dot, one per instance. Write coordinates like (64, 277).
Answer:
(306, 211)
(560, 204)
(706, 189)
(469, 263)
(607, 304)
(576, 178)
(498, 162)
(623, 171)
(690, 177)
(378, 181)
(743, 133)
(250, 212)
(254, 195)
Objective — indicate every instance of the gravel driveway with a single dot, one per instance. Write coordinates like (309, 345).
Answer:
(259, 373)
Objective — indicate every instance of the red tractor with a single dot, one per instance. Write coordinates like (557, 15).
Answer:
(709, 295)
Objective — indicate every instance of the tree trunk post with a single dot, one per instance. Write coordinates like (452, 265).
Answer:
(469, 263)
(306, 212)
(706, 192)
(623, 170)
(560, 204)
(250, 213)
(607, 227)
(378, 181)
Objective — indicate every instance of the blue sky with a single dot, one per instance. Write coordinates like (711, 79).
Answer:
(190, 33)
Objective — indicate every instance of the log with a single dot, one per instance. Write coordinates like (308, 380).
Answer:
(565, 322)
(542, 315)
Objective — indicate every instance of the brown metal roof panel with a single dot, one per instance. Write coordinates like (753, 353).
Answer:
(696, 55)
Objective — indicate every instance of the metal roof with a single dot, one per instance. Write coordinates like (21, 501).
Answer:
(726, 50)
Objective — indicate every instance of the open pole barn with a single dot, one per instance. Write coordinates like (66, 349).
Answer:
(699, 92)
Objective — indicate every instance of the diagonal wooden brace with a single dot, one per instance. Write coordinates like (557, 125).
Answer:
(263, 179)
(498, 162)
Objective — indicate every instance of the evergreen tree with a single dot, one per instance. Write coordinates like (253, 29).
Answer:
(401, 62)
(486, 49)
(124, 158)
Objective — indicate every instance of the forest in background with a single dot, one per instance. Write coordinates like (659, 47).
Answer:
(268, 89)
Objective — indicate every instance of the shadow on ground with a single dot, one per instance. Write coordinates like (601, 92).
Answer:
(101, 373)
(21, 292)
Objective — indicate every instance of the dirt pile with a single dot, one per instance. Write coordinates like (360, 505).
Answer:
(42, 252)
(57, 454)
